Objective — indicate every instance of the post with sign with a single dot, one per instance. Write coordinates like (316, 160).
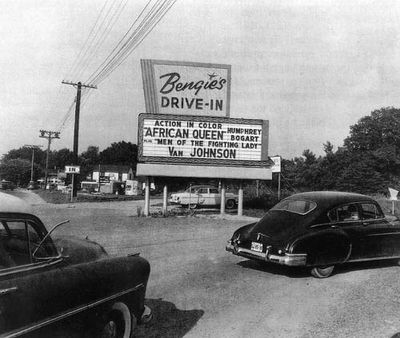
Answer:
(73, 170)
(393, 197)
(276, 168)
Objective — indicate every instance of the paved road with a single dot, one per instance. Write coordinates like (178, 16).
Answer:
(196, 289)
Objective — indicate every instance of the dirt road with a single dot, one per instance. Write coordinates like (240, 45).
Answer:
(196, 289)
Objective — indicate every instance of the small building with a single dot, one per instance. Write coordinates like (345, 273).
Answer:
(106, 172)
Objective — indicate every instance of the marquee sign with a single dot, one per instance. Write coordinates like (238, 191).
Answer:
(186, 88)
(203, 140)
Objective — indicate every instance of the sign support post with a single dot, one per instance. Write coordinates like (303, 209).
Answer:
(147, 197)
(165, 199)
(223, 195)
(240, 199)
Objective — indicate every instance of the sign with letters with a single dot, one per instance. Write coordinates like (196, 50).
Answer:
(203, 140)
(72, 169)
(186, 88)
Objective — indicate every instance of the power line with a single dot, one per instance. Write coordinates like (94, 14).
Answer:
(120, 42)
(97, 40)
(84, 46)
(129, 52)
(151, 19)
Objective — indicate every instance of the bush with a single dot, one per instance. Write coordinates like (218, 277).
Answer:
(262, 202)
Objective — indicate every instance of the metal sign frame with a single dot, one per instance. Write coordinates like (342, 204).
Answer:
(263, 162)
(151, 94)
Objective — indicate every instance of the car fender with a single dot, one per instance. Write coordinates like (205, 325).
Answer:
(323, 247)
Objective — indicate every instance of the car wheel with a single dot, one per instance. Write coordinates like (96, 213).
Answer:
(322, 271)
(230, 204)
(119, 323)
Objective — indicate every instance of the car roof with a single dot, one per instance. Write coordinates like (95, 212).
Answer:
(9, 203)
(331, 198)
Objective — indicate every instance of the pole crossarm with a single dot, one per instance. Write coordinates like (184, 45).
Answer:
(79, 84)
(49, 135)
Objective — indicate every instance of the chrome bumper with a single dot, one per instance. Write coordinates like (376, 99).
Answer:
(286, 259)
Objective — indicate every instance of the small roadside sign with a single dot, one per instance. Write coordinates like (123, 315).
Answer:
(276, 168)
(72, 169)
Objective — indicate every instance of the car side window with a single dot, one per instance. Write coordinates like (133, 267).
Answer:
(214, 191)
(19, 239)
(202, 191)
(348, 212)
(370, 211)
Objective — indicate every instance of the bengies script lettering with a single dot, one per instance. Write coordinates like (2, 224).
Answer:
(172, 84)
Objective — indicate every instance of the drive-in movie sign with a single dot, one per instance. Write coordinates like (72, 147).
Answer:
(186, 88)
(189, 139)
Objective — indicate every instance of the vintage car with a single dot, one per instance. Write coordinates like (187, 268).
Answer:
(67, 284)
(320, 230)
(7, 185)
(203, 195)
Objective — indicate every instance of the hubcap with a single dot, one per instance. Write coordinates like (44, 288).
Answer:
(110, 330)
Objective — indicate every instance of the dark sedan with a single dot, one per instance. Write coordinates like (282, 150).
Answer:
(320, 230)
(66, 285)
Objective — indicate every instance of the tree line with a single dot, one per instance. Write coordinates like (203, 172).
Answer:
(367, 162)
(16, 165)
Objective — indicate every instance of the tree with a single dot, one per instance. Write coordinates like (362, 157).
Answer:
(88, 159)
(123, 153)
(19, 171)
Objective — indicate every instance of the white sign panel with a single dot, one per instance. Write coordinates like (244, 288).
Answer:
(182, 139)
(186, 88)
(276, 168)
(72, 169)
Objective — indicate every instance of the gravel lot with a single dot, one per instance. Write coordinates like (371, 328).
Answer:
(196, 289)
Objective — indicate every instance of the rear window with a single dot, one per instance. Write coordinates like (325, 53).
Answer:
(301, 207)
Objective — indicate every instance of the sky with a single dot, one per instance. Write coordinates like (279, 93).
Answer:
(312, 68)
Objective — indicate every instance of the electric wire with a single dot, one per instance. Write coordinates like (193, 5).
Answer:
(147, 25)
(129, 52)
(94, 41)
(126, 45)
(118, 44)
(84, 46)
(130, 43)
(105, 33)
(147, 21)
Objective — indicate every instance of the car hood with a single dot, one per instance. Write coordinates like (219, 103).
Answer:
(79, 250)
(279, 225)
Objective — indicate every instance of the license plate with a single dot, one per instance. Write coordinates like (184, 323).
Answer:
(256, 247)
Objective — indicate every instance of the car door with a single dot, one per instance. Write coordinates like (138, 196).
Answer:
(33, 291)
(203, 196)
(382, 237)
(215, 196)
(347, 218)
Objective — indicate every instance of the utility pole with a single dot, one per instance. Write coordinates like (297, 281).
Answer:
(78, 86)
(49, 135)
(33, 147)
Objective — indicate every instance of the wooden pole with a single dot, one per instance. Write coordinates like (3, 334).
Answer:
(223, 197)
(165, 200)
(147, 197)
(240, 199)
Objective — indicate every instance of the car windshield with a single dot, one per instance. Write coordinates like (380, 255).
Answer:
(301, 207)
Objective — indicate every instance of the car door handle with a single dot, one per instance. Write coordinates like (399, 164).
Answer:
(365, 223)
(8, 290)
(333, 226)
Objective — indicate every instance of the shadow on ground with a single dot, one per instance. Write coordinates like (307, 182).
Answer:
(275, 269)
(168, 321)
(301, 272)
